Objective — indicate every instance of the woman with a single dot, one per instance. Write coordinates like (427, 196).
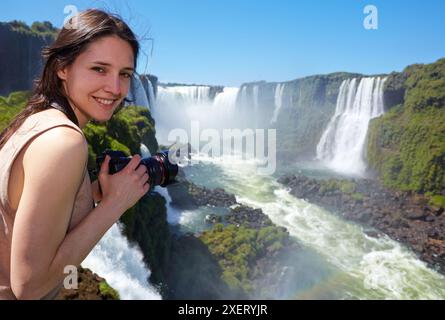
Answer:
(48, 219)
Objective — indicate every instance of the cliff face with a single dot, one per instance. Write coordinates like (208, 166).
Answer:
(306, 105)
(20, 55)
(406, 146)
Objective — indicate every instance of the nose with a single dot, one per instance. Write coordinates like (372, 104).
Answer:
(113, 85)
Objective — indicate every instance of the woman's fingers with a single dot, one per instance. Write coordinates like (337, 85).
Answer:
(141, 170)
(144, 178)
(104, 168)
(133, 164)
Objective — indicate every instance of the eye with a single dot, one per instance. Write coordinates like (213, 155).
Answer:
(98, 69)
(126, 75)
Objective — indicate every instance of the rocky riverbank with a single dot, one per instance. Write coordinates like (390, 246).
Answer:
(250, 252)
(404, 216)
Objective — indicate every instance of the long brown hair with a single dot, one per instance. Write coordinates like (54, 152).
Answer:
(71, 41)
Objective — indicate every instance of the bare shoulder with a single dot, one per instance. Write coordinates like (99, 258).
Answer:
(61, 142)
(53, 163)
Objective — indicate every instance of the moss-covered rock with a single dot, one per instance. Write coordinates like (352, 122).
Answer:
(437, 201)
(125, 132)
(108, 292)
(90, 287)
(146, 224)
(193, 272)
(238, 250)
(406, 146)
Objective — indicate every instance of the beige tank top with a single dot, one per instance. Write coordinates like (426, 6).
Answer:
(33, 126)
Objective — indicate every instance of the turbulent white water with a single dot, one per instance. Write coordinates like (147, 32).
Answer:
(341, 147)
(122, 266)
(367, 267)
(278, 101)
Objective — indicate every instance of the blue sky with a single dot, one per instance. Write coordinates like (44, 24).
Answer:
(229, 42)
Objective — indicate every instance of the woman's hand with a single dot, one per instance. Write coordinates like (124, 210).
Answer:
(125, 188)
(97, 194)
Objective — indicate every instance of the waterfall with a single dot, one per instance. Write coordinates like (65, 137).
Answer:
(186, 94)
(122, 266)
(173, 214)
(137, 93)
(341, 145)
(224, 103)
(145, 152)
(178, 106)
(242, 98)
(279, 89)
(148, 87)
(255, 105)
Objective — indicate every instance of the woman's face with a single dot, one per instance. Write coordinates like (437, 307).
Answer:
(98, 79)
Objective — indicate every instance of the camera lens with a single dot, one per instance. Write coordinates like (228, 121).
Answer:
(160, 170)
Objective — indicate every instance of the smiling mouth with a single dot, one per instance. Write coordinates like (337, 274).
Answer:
(106, 102)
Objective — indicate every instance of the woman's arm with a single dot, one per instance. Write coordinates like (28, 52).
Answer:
(41, 248)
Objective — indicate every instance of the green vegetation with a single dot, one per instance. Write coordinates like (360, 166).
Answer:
(357, 196)
(125, 131)
(108, 292)
(407, 144)
(237, 249)
(344, 186)
(146, 224)
(10, 106)
(39, 29)
(437, 201)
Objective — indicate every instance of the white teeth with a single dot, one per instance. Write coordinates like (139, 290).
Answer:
(104, 101)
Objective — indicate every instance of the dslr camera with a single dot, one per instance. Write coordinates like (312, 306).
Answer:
(160, 170)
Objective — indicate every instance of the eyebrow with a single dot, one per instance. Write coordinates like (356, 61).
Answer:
(109, 65)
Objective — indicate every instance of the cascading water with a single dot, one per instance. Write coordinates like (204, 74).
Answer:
(148, 87)
(185, 94)
(145, 152)
(224, 104)
(279, 89)
(255, 105)
(178, 106)
(341, 146)
(137, 94)
(122, 266)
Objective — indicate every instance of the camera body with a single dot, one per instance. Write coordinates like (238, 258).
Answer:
(160, 170)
